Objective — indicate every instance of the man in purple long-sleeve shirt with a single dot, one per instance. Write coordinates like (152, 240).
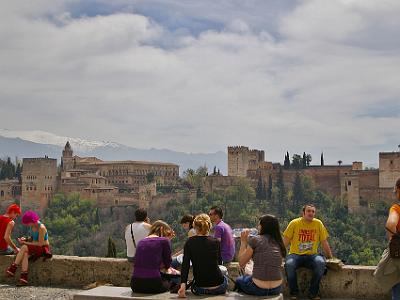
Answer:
(223, 232)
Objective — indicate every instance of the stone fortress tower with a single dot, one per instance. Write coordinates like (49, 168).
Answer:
(389, 169)
(39, 181)
(241, 159)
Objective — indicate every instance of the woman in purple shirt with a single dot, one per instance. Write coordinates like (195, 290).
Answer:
(152, 254)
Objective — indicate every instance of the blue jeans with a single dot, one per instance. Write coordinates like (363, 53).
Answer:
(7, 251)
(314, 262)
(220, 290)
(246, 285)
(396, 291)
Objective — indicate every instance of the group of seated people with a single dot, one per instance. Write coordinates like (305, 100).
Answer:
(149, 248)
(37, 245)
(155, 268)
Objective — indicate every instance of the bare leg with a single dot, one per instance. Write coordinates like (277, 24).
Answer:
(24, 267)
(21, 254)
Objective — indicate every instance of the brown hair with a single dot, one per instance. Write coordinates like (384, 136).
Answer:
(161, 229)
(202, 224)
(305, 205)
(398, 184)
(188, 219)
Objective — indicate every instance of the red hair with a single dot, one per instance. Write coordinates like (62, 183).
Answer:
(14, 208)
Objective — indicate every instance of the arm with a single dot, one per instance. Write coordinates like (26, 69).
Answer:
(286, 241)
(7, 237)
(218, 232)
(245, 252)
(391, 223)
(327, 249)
(185, 270)
(166, 254)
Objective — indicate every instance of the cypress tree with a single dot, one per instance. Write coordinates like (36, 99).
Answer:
(259, 189)
(281, 194)
(269, 191)
(111, 249)
(322, 159)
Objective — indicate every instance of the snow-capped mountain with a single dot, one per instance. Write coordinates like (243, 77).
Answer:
(43, 137)
(35, 143)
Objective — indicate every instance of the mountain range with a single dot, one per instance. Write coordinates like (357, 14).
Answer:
(36, 143)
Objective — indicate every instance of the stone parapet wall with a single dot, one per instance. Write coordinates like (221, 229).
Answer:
(73, 271)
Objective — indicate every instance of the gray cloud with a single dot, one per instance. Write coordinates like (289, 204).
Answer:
(319, 75)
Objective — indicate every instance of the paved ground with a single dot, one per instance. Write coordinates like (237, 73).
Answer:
(9, 292)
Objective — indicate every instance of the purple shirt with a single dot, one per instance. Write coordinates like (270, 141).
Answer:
(224, 232)
(151, 254)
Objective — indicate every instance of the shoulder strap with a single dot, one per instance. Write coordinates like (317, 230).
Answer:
(133, 238)
(390, 230)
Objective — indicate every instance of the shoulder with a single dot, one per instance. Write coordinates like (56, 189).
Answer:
(42, 226)
(295, 221)
(318, 222)
(395, 208)
(254, 241)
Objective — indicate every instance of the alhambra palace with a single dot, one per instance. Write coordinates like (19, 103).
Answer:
(121, 183)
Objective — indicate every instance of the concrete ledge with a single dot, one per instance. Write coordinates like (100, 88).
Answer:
(124, 293)
(73, 271)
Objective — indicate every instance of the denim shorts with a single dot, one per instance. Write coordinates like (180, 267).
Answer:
(7, 251)
(220, 290)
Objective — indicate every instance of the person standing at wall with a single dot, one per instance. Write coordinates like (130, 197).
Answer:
(393, 226)
(135, 232)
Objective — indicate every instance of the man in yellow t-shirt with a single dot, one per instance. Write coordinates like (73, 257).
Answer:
(304, 235)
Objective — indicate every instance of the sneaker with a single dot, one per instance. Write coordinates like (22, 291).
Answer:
(10, 271)
(23, 280)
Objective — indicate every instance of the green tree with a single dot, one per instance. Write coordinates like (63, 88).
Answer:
(7, 170)
(281, 194)
(111, 249)
(259, 189)
(269, 190)
(298, 193)
(322, 159)
(297, 161)
(286, 163)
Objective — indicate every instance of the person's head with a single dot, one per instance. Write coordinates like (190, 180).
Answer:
(269, 224)
(161, 229)
(13, 211)
(187, 222)
(202, 224)
(309, 212)
(397, 189)
(30, 218)
(140, 215)
(215, 214)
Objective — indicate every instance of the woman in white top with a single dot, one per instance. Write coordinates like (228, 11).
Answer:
(135, 232)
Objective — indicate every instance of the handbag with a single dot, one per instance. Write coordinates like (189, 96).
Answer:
(394, 244)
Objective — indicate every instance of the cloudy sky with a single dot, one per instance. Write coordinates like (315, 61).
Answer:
(196, 76)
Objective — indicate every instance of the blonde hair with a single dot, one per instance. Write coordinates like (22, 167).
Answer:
(160, 228)
(202, 224)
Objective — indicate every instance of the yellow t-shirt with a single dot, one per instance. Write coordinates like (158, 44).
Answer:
(305, 236)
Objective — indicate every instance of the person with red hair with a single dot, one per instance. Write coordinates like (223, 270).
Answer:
(7, 223)
(36, 246)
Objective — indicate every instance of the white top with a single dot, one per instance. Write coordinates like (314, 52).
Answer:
(140, 231)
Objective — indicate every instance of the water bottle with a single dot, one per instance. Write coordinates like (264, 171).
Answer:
(236, 232)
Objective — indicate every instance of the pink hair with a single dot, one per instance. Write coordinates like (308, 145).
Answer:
(30, 217)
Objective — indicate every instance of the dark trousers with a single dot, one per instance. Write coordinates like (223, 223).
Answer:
(149, 285)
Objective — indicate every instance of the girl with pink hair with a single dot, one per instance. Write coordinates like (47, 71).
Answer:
(37, 246)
